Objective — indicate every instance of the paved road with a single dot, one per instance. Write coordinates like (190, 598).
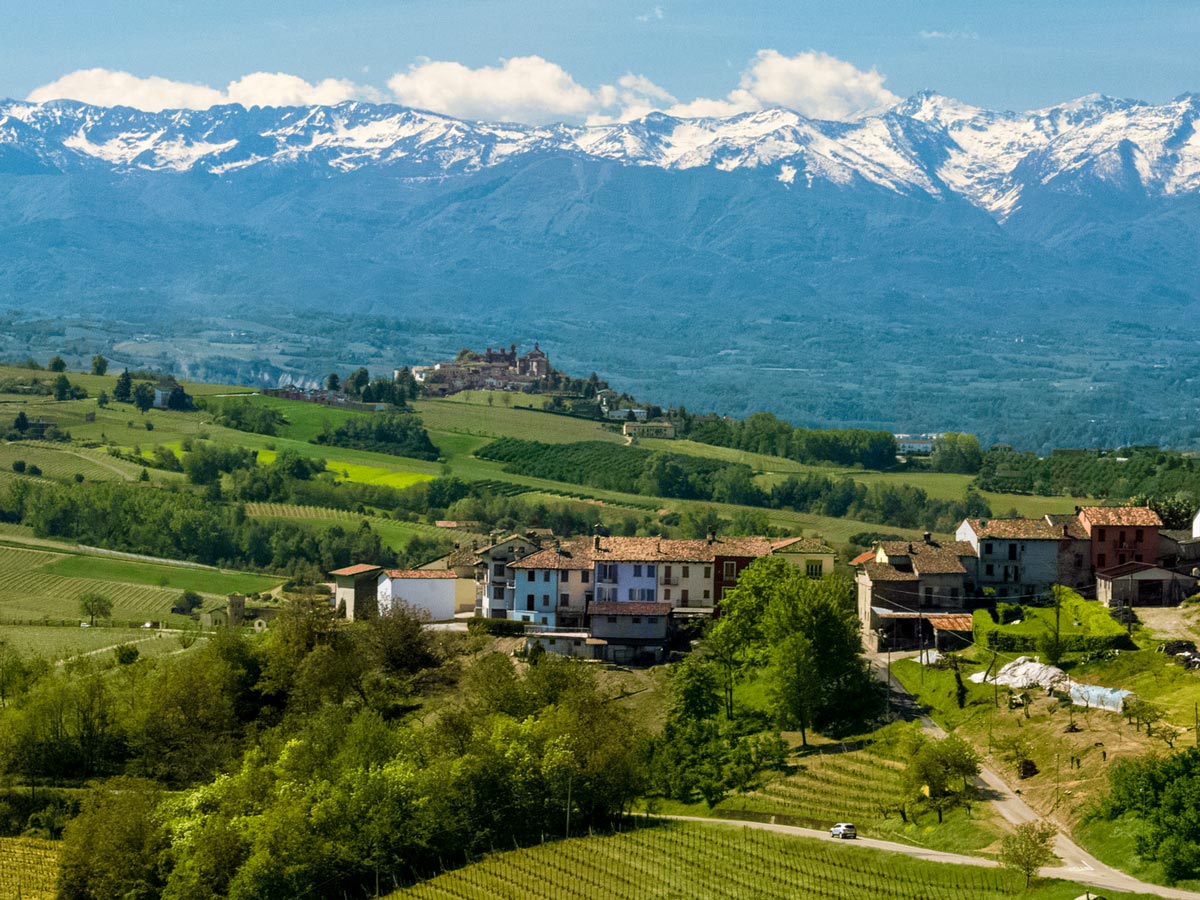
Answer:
(1077, 864)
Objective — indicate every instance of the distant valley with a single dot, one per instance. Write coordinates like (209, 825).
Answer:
(1028, 277)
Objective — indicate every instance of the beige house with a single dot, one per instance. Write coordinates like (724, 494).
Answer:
(812, 556)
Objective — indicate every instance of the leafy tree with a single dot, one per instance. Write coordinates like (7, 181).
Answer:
(56, 364)
(94, 604)
(187, 603)
(21, 422)
(18, 466)
(143, 396)
(956, 452)
(99, 365)
(123, 390)
(333, 382)
(102, 399)
(62, 388)
(694, 689)
(111, 848)
(1028, 848)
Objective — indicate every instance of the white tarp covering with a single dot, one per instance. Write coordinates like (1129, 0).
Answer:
(1024, 672)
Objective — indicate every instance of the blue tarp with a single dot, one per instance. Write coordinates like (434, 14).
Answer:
(1096, 697)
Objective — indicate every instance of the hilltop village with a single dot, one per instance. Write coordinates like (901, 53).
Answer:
(620, 598)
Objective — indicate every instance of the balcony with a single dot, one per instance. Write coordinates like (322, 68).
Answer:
(668, 579)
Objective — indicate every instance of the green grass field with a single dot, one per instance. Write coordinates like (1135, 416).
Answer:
(39, 584)
(698, 862)
(56, 642)
(28, 869)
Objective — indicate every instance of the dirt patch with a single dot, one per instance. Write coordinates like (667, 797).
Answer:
(1171, 622)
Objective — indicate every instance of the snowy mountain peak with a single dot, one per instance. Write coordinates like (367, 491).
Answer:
(928, 145)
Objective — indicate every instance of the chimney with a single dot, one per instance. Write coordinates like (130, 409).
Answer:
(1066, 530)
(911, 549)
(596, 542)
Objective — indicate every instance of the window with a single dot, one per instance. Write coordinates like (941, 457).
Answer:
(1137, 557)
(545, 599)
(1079, 560)
(666, 594)
(531, 575)
(551, 639)
(1139, 535)
(685, 571)
(708, 571)
(546, 575)
(1101, 560)
(989, 569)
(1012, 551)
(650, 570)
(498, 570)
(586, 576)
(987, 548)
(607, 572)
(564, 575)
(1121, 560)
(667, 572)
(637, 570)
(1121, 537)
(953, 593)
(707, 594)
(928, 596)
(812, 568)
(637, 620)
(730, 570)
(612, 620)
(652, 620)
(1100, 534)
(544, 622)
(529, 601)
(683, 597)
(564, 599)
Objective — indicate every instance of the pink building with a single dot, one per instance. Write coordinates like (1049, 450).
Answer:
(1121, 534)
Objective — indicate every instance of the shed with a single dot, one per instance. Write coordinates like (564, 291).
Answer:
(1142, 584)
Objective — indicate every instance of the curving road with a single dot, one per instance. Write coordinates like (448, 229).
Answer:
(1077, 864)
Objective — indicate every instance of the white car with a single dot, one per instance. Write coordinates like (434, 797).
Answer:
(843, 830)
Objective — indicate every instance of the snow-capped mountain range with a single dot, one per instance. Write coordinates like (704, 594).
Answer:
(928, 145)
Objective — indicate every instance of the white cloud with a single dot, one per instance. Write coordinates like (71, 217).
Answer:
(526, 89)
(654, 15)
(521, 89)
(814, 84)
(105, 87)
(958, 34)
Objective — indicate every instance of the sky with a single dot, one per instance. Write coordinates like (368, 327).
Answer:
(540, 61)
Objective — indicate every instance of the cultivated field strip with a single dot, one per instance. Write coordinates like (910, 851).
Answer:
(699, 862)
(830, 787)
(28, 593)
(326, 513)
(28, 869)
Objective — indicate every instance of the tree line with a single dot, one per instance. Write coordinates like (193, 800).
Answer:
(765, 433)
(306, 761)
(638, 471)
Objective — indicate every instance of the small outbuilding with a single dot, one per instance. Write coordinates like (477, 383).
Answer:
(439, 592)
(356, 589)
(1142, 584)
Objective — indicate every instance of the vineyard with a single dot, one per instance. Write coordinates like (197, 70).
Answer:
(29, 592)
(63, 462)
(698, 861)
(28, 869)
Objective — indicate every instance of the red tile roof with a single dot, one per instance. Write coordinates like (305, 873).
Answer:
(420, 573)
(1016, 529)
(1142, 516)
(937, 558)
(877, 571)
(951, 621)
(360, 569)
(569, 555)
(867, 556)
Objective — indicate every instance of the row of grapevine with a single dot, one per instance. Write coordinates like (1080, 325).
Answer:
(697, 861)
(28, 869)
